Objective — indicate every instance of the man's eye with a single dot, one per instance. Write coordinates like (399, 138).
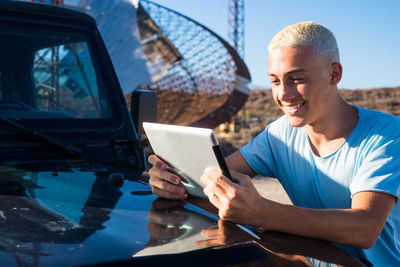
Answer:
(298, 80)
(274, 82)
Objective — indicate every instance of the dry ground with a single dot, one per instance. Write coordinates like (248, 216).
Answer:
(272, 189)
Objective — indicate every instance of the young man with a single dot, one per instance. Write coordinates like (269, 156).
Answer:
(338, 163)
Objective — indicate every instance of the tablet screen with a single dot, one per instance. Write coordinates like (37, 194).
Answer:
(187, 151)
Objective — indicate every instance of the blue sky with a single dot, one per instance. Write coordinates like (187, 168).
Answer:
(367, 32)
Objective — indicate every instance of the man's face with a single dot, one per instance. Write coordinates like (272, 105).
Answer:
(300, 84)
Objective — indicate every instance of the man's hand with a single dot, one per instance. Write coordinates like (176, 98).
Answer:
(168, 185)
(165, 219)
(226, 234)
(164, 183)
(238, 202)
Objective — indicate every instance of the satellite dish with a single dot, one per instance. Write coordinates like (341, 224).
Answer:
(206, 84)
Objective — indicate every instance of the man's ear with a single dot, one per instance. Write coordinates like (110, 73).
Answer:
(336, 73)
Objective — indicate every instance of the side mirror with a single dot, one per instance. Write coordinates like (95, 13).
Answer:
(143, 108)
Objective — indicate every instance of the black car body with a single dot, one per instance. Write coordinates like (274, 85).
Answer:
(72, 190)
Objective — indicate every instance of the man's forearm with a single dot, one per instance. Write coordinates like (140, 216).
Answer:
(358, 226)
(240, 202)
(344, 227)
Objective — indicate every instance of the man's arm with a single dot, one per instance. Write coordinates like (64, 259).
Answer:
(236, 162)
(358, 226)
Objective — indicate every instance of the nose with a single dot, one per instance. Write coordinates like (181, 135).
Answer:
(286, 92)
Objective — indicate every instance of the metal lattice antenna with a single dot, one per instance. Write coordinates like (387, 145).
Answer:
(236, 25)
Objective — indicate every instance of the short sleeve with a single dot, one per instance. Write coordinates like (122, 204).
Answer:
(380, 168)
(258, 154)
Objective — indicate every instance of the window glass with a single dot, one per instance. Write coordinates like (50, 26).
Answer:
(65, 81)
(48, 74)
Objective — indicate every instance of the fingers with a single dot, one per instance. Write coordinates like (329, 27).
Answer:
(217, 187)
(208, 243)
(156, 162)
(216, 183)
(212, 197)
(164, 175)
(160, 171)
(231, 199)
(214, 176)
(212, 236)
(215, 237)
(165, 189)
(164, 183)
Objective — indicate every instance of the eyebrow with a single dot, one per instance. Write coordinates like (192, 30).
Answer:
(290, 72)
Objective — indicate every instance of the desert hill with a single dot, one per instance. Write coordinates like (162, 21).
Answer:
(260, 109)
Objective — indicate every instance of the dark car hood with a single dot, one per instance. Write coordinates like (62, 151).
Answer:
(66, 215)
(77, 217)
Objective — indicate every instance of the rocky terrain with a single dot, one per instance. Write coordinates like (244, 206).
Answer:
(184, 108)
(260, 109)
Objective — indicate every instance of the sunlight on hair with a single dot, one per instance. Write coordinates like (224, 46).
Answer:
(308, 33)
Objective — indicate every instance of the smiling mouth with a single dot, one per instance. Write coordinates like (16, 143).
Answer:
(292, 109)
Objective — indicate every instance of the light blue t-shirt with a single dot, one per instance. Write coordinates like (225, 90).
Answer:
(369, 160)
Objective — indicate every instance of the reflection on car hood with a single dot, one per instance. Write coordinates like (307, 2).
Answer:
(73, 215)
(77, 217)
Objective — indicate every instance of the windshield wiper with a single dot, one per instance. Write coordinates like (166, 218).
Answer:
(65, 146)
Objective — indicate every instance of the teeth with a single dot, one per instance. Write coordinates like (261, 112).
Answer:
(293, 107)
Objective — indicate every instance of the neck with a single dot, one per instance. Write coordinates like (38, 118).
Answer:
(329, 133)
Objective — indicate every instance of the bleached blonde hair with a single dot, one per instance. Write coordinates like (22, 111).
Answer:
(310, 34)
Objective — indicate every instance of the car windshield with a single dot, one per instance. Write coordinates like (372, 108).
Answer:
(48, 74)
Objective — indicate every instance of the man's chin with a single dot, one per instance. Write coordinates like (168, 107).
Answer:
(295, 121)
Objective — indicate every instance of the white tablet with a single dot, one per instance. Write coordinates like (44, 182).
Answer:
(187, 151)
